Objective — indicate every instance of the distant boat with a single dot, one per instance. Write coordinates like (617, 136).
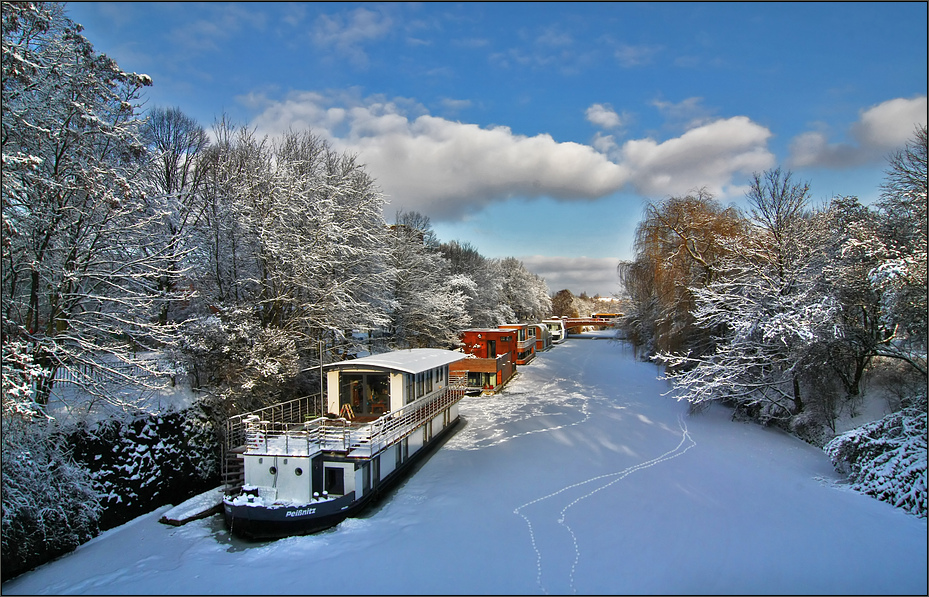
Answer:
(302, 477)
(557, 328)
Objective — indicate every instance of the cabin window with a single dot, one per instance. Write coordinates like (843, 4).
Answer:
(335, 481)
(298, 471)
(367, 393)
(410, 387)
(429, 381)
(273, 470)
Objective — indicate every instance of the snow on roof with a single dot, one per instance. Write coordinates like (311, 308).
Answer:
(414, 360)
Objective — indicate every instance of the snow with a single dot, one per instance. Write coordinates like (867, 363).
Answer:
(580, 477)
(195, 506)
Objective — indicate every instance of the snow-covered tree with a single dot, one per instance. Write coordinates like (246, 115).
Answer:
(847, 233)
(764, 307)
(483, 296)
(325, 242)
(294, 242)
(176, 144)
(430, 302)
(524, 292)
(79, 256)
(901, 276)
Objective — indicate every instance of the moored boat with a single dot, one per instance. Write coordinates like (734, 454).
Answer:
(386, 413)
(556, 327)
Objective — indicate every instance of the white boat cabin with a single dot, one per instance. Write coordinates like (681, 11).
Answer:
(374, 385)
(382, 410)
(557, 329)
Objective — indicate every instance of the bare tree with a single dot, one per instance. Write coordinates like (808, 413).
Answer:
(902, 274)
(679, 244)
(177, 145)
(78, 249)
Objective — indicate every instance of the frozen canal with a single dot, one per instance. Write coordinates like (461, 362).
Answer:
(579, 478)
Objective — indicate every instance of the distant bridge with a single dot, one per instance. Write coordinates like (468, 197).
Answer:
(576, 323)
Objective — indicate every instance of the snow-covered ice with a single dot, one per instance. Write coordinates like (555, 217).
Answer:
(579, 478)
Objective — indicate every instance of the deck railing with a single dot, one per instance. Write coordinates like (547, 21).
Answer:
(297, 410)
(306, 438)
(281, 415)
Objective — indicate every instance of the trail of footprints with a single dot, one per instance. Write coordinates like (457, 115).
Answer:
(515, 406)
(598, 483)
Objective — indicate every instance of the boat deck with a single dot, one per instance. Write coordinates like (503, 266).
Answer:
(359, 437)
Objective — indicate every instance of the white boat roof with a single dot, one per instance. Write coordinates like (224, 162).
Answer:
(414, 360)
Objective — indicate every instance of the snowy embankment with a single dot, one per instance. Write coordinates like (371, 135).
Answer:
(579, 478)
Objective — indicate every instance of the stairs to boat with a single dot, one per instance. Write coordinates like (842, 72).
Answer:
(234, 469)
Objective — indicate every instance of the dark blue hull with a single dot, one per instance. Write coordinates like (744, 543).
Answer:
(258, 523)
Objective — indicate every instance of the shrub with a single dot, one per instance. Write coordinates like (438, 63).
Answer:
(887, 458)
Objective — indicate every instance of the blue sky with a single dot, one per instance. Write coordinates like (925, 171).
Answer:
(541, 130)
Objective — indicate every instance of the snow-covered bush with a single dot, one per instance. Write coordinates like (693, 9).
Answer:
(887, 458)
(150, 461)
(49, 504)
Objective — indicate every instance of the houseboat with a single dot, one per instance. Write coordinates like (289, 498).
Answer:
(543, 337)
(525, 341)
(491, 359)
(557, 328)
(302, 474)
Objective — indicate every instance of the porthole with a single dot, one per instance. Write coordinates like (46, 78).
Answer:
(298, 471)
(273, 470)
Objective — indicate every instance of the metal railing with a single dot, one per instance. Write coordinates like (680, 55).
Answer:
(305, 438)
(236, 441)
(293, 411)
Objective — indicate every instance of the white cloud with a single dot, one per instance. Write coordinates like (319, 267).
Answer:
(879, 130)
(443, 168)
(687, 113)
(707, 156)
(630, 56)
(577, 274)
(604, 116)
(347, 35)
(891, 124)
(223, 21)
(447, 169)
(604, 143)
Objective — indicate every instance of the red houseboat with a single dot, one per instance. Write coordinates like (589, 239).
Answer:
(491, 358)
(525, 342)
